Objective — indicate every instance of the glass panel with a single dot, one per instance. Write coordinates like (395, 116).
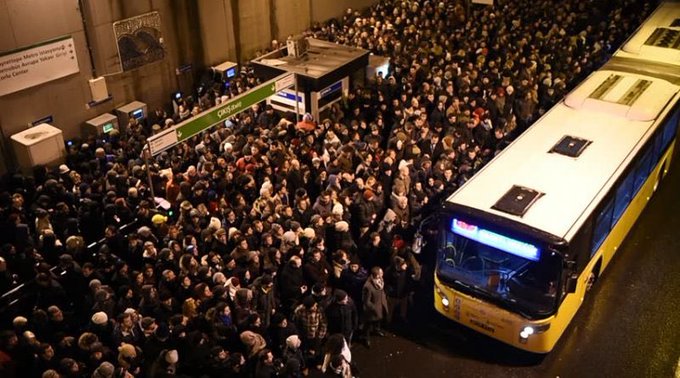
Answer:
(642, 171)
(658, 146)
(492, 239)
(489, 264)
(602, 227)
(670, 128)
(624, 195)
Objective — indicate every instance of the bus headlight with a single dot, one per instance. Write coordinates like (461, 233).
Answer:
(445, 299)
(532, 330)
(445, 302)
(526, 332)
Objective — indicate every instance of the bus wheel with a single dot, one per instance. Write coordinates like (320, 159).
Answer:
(594, 274)
(658, 180)
(660, 176)
(591, 281)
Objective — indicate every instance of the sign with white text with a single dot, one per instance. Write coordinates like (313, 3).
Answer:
(37, 64)
(162, 141)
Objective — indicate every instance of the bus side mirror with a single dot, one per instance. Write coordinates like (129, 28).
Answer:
(572, 278)
(425, 226)
(417, 243)
(572, 282)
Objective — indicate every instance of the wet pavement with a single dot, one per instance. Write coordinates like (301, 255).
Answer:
(628, 326)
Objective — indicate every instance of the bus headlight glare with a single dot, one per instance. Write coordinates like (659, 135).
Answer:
(525, 333)
(445, 301)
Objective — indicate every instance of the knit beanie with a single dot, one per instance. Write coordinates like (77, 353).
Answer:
(253, 341)
(100, 318)
(293, 341)
(105, 370)
(127, 351)
(171, 356)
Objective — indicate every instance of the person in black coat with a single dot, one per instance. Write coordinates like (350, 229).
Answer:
(292, 283)
(342, 315)
(398, 287)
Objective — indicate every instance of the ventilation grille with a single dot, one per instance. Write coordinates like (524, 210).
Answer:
(570, 146)
(665, 38)
(613, 90)
(605, 87)
(634, 92)
(517, 200)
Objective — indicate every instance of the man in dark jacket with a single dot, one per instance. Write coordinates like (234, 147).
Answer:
(316, 269)
(398, 285)
(292, 283)
(374, 304)
(342, 315)
(263, 298)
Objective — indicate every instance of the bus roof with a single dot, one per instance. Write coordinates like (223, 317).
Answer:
(613, 111)
(658, 38)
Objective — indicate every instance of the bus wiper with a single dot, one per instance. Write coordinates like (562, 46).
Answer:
(474, 288)
(461, 283)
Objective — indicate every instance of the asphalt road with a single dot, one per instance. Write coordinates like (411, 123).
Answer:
(629, 326)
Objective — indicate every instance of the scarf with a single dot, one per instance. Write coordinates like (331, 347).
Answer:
(378, 282)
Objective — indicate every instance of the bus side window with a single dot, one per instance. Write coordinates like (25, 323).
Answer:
(602, 226)
(624, 194)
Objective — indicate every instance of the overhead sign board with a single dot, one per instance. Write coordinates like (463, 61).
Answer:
(162, 141)
(37, 64)
(232, 107)
(331, 89)
(216, 115)
(285, 82)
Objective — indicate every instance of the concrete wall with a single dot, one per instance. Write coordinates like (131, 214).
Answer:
(25, 22)
(322, 10)
(217, 31)
(291, 17)
(254, 26)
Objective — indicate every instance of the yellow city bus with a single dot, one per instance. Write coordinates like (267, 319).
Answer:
(520, 243)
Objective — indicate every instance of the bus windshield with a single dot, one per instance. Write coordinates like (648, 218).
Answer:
(517, 274)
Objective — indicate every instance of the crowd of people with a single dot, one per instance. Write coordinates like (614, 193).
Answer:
(271, 246)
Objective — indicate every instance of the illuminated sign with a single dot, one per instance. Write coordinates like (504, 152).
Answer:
(107, 127)
(138, 114)
(498, 241)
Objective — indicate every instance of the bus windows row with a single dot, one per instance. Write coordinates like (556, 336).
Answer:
(631, 184)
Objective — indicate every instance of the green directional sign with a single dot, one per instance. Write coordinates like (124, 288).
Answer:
(220, 113)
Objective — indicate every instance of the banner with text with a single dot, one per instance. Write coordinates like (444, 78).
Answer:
(236, 105)
(213, 116)
(37, 64)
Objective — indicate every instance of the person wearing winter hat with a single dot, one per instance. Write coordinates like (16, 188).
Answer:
(127, 355)
(254, 342)
(69, 367)
(342, 226)
(105, 370)
(171, 357)
(338, 210)
(309, 233)
(290, 237)
(50, 373)
(100, 318)
(292, 354)
(159, 219)
(165, 364)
